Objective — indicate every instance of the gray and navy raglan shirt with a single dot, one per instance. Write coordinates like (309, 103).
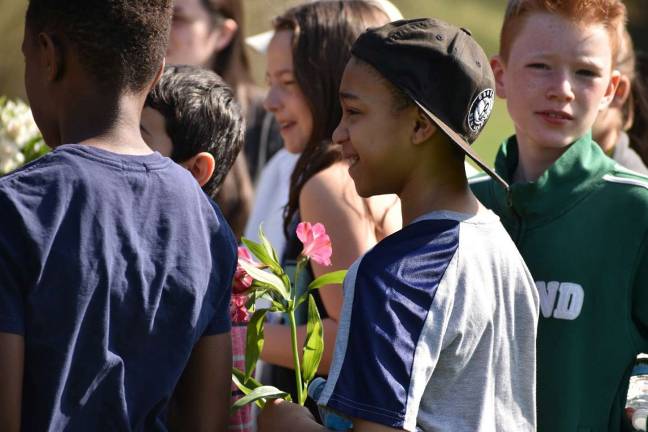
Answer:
(438, 329)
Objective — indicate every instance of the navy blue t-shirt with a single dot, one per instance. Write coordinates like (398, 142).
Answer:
(112, 267)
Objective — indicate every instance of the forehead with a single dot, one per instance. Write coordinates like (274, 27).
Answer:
(187, 5)
(279, 54)
(542, 33)
(363, 82)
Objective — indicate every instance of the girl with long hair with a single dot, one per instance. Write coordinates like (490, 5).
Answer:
(209, 33)
(306, 59)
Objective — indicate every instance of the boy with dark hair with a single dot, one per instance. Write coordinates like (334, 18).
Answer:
(115, 270)
(439, 319)
(192, 117)
(579, 220)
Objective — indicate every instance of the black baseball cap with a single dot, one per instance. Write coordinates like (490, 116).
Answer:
(442, 68)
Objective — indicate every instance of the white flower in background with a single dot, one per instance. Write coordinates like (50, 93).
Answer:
(20, 139)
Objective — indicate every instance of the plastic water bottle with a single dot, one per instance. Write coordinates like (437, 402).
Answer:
(637, 402)
(330, 418)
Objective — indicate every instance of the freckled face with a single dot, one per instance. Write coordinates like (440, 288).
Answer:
(285, 98)
(557, 78)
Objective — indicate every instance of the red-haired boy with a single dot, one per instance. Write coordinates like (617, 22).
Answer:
(565, 207)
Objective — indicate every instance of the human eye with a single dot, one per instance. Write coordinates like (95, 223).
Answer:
(538, 66)
(588, 73)
(351, 111)
(287, 82)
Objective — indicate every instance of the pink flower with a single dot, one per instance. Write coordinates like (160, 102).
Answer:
(238, 311)
(242, 281)
(317, 244)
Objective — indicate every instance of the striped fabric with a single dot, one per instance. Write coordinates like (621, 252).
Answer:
(242, 419)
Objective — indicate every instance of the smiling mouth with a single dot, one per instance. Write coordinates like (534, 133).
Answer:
(286, 125)
(555, 115)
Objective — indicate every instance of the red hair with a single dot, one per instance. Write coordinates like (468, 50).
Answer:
(611, 13)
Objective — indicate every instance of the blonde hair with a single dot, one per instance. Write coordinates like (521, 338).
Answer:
(611, 13)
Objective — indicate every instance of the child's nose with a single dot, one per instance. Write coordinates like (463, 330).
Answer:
(272, 101)
(561, 87)
(340, 134)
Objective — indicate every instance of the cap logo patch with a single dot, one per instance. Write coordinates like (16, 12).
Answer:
(480, 109)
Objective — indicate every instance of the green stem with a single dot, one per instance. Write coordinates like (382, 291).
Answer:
(298, 377)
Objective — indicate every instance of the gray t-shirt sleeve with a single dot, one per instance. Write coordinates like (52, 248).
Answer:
(384, 330)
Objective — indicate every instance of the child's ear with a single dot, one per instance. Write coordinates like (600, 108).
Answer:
(158, 75)
(621, 93)
(51, 56)
(201, 166)
(610, 91)
(424, 128)
(226, 33)
(498, 67)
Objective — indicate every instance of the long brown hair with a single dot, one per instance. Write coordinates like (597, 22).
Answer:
(232, 63)
(323, 33)
(236, 193)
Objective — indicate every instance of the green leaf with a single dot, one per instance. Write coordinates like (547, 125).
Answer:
(302, 298)
(268, 279)
(254, 341)
(333, 278)
(238, 376)
(268, 247)
(314, 345)
(261, 253)
(259, 394)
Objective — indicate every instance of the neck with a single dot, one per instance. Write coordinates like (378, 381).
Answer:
(608, 139)
(533, 161)
(434, 188)
(112, 124)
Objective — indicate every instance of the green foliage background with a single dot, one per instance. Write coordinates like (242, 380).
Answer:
(482, 17)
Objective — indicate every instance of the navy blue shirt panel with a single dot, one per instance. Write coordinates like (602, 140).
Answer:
(112, 267)
(395, 286)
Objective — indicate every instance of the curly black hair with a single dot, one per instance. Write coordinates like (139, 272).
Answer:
(121, 42)
(201, 114)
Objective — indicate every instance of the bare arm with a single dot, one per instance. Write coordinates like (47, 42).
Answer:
(329, 198)
(202, 397)
(12, 359)
(284, 416)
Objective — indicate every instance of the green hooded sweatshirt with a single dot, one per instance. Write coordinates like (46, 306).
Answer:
(582, 229)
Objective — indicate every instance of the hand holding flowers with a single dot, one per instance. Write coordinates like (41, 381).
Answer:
(269, 281)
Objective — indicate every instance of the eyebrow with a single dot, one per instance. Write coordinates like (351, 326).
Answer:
(347, 95)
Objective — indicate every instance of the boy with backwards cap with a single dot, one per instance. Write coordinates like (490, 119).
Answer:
(568, 205)
(439, 319)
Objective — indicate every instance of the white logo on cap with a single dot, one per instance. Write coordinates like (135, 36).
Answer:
(480, 109)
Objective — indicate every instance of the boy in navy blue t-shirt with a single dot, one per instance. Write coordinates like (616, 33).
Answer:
(115, 269)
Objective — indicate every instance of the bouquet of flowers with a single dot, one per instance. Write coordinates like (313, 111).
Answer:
(20, 140)
(266, 279)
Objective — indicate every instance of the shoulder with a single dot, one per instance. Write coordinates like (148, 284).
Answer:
(630, 180)
(627, 188)
(418, 253)
(331, 187)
